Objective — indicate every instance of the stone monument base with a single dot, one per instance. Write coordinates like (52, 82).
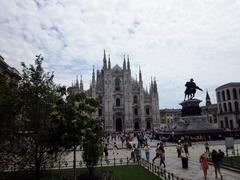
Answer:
(191, 107)
(193, 123)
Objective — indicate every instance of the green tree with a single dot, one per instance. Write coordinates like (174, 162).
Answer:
(73, 124)
(92, 144)
(38, 95)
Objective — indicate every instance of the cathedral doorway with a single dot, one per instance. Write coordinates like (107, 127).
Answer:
(136, 126)
(148, 125)
(118, 124)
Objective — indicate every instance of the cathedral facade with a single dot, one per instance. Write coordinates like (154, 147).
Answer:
(124, 104)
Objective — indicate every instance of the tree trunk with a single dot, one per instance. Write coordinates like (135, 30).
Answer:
(74, 163)
(37, 163)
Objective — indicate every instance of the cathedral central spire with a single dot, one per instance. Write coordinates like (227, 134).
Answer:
(124, 62)
(104, 60)
(140, 75)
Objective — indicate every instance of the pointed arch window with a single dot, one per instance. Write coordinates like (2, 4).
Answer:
(118, 102)
(117, 84)
(147, 111)
(135, 99)
(135, 111)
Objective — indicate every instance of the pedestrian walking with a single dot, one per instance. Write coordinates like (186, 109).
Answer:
(216, 163)
(185, 147)
(207, 147)
(106, 153)
(147, 152)
(133, 155)
(162, 155)
(138, 153)
(157, 152)
(204, 164)
(179, 148)
(115, 148)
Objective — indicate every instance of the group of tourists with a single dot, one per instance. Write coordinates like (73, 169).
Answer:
(135, 153)
(182, 147)
(129, 141)
(217, 159)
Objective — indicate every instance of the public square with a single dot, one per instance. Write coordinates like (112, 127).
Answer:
(173, 163)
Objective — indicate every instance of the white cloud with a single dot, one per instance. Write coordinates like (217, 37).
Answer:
(172, 40)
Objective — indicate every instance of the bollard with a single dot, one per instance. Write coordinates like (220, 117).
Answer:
(158, 171)
(114, 161)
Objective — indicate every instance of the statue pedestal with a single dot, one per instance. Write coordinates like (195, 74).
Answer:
(192, 120)
(191, 107)
(193, 123)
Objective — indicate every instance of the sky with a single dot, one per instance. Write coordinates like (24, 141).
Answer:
(172, 40)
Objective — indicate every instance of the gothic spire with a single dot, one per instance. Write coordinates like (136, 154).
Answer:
(104, 60)
(124, 62)
(109, 62)
(140, 75)
(93, 76)
(155, 85)
(77, 82)
(128, 63)
(81, 84)
(208, 100)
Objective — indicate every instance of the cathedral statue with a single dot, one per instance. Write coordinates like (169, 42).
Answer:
(191, 88)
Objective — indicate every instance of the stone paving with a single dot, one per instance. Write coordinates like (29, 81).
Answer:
(174, 164)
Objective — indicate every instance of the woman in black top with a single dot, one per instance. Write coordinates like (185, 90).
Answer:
(216, 162)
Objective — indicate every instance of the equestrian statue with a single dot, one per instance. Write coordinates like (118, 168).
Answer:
(191, 88)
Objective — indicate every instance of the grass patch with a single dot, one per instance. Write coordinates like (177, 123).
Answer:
(130, 172)
(234, 161)
(133, 172)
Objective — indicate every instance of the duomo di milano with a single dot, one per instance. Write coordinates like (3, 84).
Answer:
(124, 104)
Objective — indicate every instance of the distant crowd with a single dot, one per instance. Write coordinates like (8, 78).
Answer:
(143, 139)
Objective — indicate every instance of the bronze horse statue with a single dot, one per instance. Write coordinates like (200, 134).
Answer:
(191, 89)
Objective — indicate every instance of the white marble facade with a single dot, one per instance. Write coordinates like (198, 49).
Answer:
(124, 104)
